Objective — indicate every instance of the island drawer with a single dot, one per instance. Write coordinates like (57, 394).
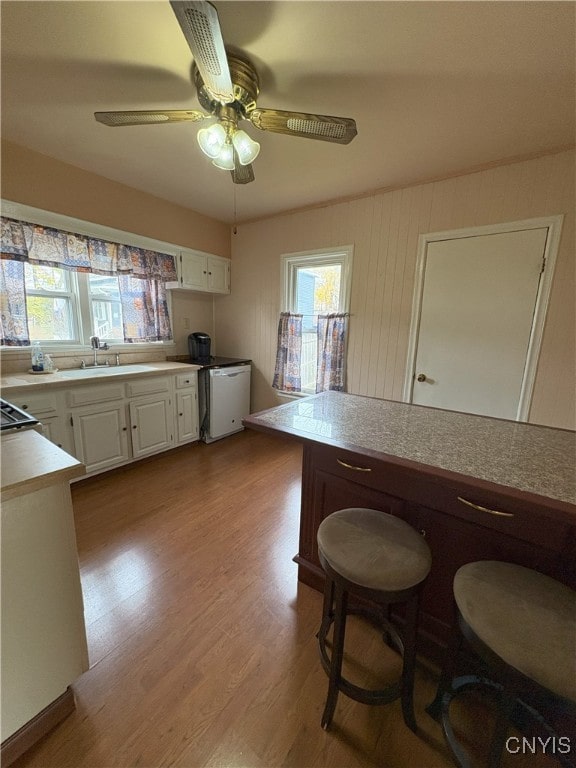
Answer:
(471, 502)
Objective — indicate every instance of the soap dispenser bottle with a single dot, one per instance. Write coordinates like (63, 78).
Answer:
(37, 357)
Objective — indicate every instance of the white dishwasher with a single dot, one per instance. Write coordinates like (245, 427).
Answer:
(227, 392)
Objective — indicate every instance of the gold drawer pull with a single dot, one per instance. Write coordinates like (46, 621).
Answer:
(485, 509)
(351, 466)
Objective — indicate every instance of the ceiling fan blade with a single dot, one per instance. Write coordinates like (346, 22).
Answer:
(242, 174)
(201, 28)
(146, 116)
(340, 130)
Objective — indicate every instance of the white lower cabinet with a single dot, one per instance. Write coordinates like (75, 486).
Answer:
(150, 422)
(187, 407)
(101, 435)
(109, 424)
(48, 407)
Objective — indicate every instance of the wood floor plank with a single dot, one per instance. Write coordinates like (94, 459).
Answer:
(202, 642)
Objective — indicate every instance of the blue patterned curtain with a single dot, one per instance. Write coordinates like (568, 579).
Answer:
(331, 368)
(144, 310)
(143, 295)
(13, 315)
(288, 353)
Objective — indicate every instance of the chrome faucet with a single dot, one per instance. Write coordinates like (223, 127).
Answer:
(95, 344)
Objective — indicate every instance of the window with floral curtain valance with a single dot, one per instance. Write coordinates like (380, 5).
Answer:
(142, 276)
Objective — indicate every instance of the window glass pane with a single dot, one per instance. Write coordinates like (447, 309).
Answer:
(48, 279)
(49, 318)
(106, 307)
(317, 292)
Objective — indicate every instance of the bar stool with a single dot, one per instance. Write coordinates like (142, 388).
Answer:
(381, 559)
(522, 626)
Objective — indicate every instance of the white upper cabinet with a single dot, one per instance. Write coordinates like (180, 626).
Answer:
(198, 271)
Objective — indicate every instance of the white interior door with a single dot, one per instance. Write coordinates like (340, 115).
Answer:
(478, 304)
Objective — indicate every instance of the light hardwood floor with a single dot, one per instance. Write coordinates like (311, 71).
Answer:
(202, 642)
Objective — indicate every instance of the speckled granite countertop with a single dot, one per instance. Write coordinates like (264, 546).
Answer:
(533, 459)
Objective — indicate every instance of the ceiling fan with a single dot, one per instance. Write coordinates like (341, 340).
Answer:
(228, 86)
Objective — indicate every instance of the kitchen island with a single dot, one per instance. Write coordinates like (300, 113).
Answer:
(478, 488)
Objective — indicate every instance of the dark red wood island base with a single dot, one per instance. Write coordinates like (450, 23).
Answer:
(477, 488)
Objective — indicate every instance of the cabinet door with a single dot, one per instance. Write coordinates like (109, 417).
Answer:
(187, 416)
(54, 428)
(218, 275)
(150, 422)
(193, 271)
(100, 435)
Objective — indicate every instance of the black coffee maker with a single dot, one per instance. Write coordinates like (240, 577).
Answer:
(199, 347)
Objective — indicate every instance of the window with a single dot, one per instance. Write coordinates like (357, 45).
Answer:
(50, 303)
(106, 307)
(316, 283)
(63, 280)
(57, 299)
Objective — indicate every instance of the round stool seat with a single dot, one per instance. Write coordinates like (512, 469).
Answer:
(374, 549)
(526, 618)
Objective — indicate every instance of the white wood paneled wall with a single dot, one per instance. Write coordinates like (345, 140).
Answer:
(384, 230)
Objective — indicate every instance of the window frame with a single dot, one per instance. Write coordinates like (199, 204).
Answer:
(83, 316)
(342, 255)
(291, 262)
(72, 295)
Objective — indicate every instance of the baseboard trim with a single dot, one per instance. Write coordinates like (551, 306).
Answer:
(32, 731)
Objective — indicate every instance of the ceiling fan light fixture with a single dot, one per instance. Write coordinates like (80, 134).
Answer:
(211, 140)
(225, 158)
(246, 148)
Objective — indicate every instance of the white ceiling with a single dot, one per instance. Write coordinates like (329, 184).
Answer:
(435, 88)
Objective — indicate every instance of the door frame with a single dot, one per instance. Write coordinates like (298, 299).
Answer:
(554, 226)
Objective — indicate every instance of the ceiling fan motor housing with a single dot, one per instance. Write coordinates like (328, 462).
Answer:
(245, 81)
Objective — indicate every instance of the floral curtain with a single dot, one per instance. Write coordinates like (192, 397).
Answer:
(289, 353)
(144, 310)
(13, 315)
(143, 295)
(330, 371)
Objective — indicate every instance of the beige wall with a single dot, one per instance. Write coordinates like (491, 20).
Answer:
(40, 181)
(384, 230)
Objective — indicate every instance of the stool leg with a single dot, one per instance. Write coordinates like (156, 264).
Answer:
(340, 608)
(327, 607)
(449, 667)
(504, 711)
(409, 663)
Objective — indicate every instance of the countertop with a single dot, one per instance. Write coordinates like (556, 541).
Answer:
(29, 462)
(533, 459)
(39, 382)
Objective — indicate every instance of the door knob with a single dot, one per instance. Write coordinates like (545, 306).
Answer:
(421, 377)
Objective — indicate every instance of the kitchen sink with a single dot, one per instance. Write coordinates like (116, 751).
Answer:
(113, 370)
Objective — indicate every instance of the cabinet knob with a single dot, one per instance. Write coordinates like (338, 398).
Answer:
(423, 532)
(24, 407)
(180, 414)
(133, 426)
(421, 377)
(124, 429)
